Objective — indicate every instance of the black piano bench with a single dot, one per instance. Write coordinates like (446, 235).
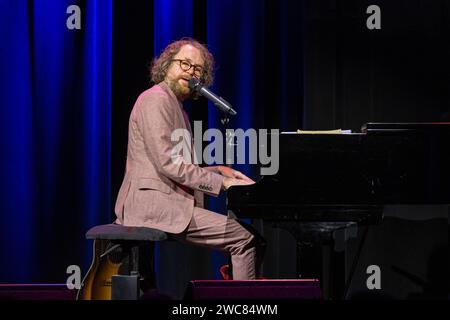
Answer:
(123, 262)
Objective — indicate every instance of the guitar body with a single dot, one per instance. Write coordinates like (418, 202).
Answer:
(97, 283)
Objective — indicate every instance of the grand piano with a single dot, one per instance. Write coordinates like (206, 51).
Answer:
(327, 183)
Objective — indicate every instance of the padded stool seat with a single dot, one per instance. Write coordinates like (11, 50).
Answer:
(118, 232)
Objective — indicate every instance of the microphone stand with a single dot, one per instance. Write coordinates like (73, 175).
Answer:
(225, 120)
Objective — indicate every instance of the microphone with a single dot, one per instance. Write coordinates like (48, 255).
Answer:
(219, 102)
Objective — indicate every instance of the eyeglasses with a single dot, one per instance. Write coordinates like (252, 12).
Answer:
(186, 66)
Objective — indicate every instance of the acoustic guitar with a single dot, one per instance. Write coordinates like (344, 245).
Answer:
(111, 259)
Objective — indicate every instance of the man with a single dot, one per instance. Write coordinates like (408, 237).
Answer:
(161, 189)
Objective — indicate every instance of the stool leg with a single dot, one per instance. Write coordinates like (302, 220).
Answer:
(125, 287)
(146, 266)
(137, 271)
(127, 284)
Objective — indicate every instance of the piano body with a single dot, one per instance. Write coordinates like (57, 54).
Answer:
(331, 182)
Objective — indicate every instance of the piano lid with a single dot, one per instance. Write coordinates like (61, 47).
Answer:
(380, 127)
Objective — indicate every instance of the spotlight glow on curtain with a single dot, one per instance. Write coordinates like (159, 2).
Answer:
(55, 136)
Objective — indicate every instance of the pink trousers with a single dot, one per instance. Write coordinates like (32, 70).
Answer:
(216, 231)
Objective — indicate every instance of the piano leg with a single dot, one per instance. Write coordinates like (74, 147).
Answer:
(333, 272)
(309, 260)
(317, 257)
(321, 261)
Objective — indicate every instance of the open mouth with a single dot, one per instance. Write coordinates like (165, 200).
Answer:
(184, 82)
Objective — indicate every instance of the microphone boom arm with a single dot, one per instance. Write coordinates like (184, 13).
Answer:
(219, 102)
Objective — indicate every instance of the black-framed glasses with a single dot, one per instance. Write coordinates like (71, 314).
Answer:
(185, 65)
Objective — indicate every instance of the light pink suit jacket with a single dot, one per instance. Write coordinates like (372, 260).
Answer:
(158, 192)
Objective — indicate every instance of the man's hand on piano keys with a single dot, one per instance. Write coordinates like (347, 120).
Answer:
(230, 182)
(234, 178)
(231, 173)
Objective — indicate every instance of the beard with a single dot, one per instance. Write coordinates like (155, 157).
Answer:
(180, 91)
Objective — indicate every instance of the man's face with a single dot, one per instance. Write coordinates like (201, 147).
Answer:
(176, 77)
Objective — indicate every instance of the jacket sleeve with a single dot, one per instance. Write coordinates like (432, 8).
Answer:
(155, 120)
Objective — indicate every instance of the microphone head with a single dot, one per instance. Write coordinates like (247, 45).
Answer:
(194, 84)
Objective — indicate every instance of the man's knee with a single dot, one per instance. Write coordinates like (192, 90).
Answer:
(254, 237)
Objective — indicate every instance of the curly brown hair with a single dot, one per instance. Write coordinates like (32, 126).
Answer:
(159, 66)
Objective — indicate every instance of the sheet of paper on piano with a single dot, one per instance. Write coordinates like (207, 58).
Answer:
(336, 131)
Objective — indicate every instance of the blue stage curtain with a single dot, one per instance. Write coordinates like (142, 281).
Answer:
(55, 115)
(234, 36)
(16, 143)
(55, 135)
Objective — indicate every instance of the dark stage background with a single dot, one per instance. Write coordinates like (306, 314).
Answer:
(66, 96)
